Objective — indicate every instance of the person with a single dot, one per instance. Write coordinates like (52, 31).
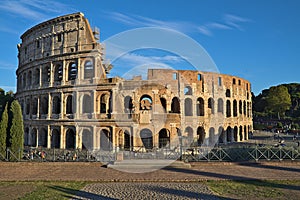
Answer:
(31, 155)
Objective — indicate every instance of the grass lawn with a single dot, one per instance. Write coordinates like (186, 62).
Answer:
(283, 189)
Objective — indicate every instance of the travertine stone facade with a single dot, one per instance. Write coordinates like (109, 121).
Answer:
(68, 101)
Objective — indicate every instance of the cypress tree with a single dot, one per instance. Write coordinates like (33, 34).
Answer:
(16, 130)
(3, 131)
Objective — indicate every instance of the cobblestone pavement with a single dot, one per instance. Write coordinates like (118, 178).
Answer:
(146, 191)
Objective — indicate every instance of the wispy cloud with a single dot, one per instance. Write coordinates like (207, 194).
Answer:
(7, 66)
(34, 9)
(227, 22)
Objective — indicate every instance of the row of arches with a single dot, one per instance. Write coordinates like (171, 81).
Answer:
(42, 75)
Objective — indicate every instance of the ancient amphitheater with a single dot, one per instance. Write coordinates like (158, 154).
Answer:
(68, 101)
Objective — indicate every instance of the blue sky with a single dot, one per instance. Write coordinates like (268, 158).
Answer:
(257, 40)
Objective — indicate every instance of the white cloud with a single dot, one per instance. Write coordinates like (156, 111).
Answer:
(34, 9)
(7, 66)
(228, 22)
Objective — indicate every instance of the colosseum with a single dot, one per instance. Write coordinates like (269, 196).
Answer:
(69, 102)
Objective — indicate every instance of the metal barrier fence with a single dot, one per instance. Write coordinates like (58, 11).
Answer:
(187, 154)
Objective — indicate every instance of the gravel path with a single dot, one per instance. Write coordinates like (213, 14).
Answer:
(146, 191)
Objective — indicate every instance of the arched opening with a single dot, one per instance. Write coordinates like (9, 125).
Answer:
(88, 69)
(128, 104)
(105, 140)
(201, 135)
(200, 107)
(145, 102)
(55, 139)
(188, 107)
(24, 80)
(37, 76)
(43, 137)
(72, 71)
(188, 90)
(164, 138)
(234, 108)
(87, 140)
(244, 108)
(235, 132)
(46, 74)
(33, 137)
(147, 138)
(190, 136)
(229, 134)
(240, 107)
(87, 104)
(227, 93)
(228, 108)
(70, 139)
(220, 106)
(26, 136)
(163, 102)
(69, 105)
(245, 133)
(34, 106)
(212, 139)
(128, 140)
(44, 105)
(104, 102)
(241, 134)
(28, 107)
(58, 72)
(175, 106)
(29, 78)
(222, 136)
(56, 105)
(211, 105)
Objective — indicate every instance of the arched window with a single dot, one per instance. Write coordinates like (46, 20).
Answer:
(69, 105)
(88, 70)
(86, 104)
(44, 105)
(145, 102)
(229, 134)
(58, 72)
(164, 138)
(128, 139)
(245, 109)
(27, 107)
(70, 139)
(43, 137)
(188, 107)
(34, 106)
(188, 90)
(163, 102)
(29, 78)
(46, 74)
(211, 105)
(201, 135)
(55, 139)
(228, 108)
(212, 138)
(175, 106)
(24, 80)
(72, 71)
(240, 107)
(200, 107)
(37, 76)
(26, 136)
(227, 94)
(147, 138)
(87, 140)
(220, 106)
(105, 140)
(234, 108)
(235, 132)
(33, 137)
(104, 103)
(190, 136)
(56, 105)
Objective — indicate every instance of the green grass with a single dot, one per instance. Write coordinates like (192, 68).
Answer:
(39, 189)
(283, 189)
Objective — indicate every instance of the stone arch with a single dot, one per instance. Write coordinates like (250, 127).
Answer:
(24, 80)
(35, 106)
(26, 136)
(222, 135)
(241, 134)
(29, 78)
(164, 138)
(104, 103)
(220, 106)
(235, 132)
(163, 102)
(71, 138)
(244, 106)
(43, 137)
(86, 104)
(227, 93)
(201, 135)
(245, 132)
(235, 113)
(240, 107)
(229, 134)
(128, 105)
(87, 139)
(212, 138)
(200, 107)
(33, 137)
(188, 107)
(46, 74)
(228, 108)
(69, 105)
(106, 139)
(211, 105)
(55, 138)
(147, 138)
(189, 136)
(128, 140)
(188, 90)
(72, 71)
(88, 69)
(37, 76)
(28, 103)
(58, 72)
(175, 105)
(145, 102)
(56, 102)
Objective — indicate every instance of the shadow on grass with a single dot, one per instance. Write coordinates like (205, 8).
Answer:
(280, 168)
(78, 194)
(241, 179)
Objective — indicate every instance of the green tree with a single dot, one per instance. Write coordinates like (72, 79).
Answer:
(278, 100)
(16, 138)
(3, 130)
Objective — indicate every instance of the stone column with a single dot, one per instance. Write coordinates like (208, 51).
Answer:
(51, 75)
(78, 138)
(49, 106)
(62, 105)
(49, 135)
(37, 137)
(62, 138)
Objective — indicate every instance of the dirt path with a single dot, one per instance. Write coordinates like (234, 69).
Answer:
(25, 171)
